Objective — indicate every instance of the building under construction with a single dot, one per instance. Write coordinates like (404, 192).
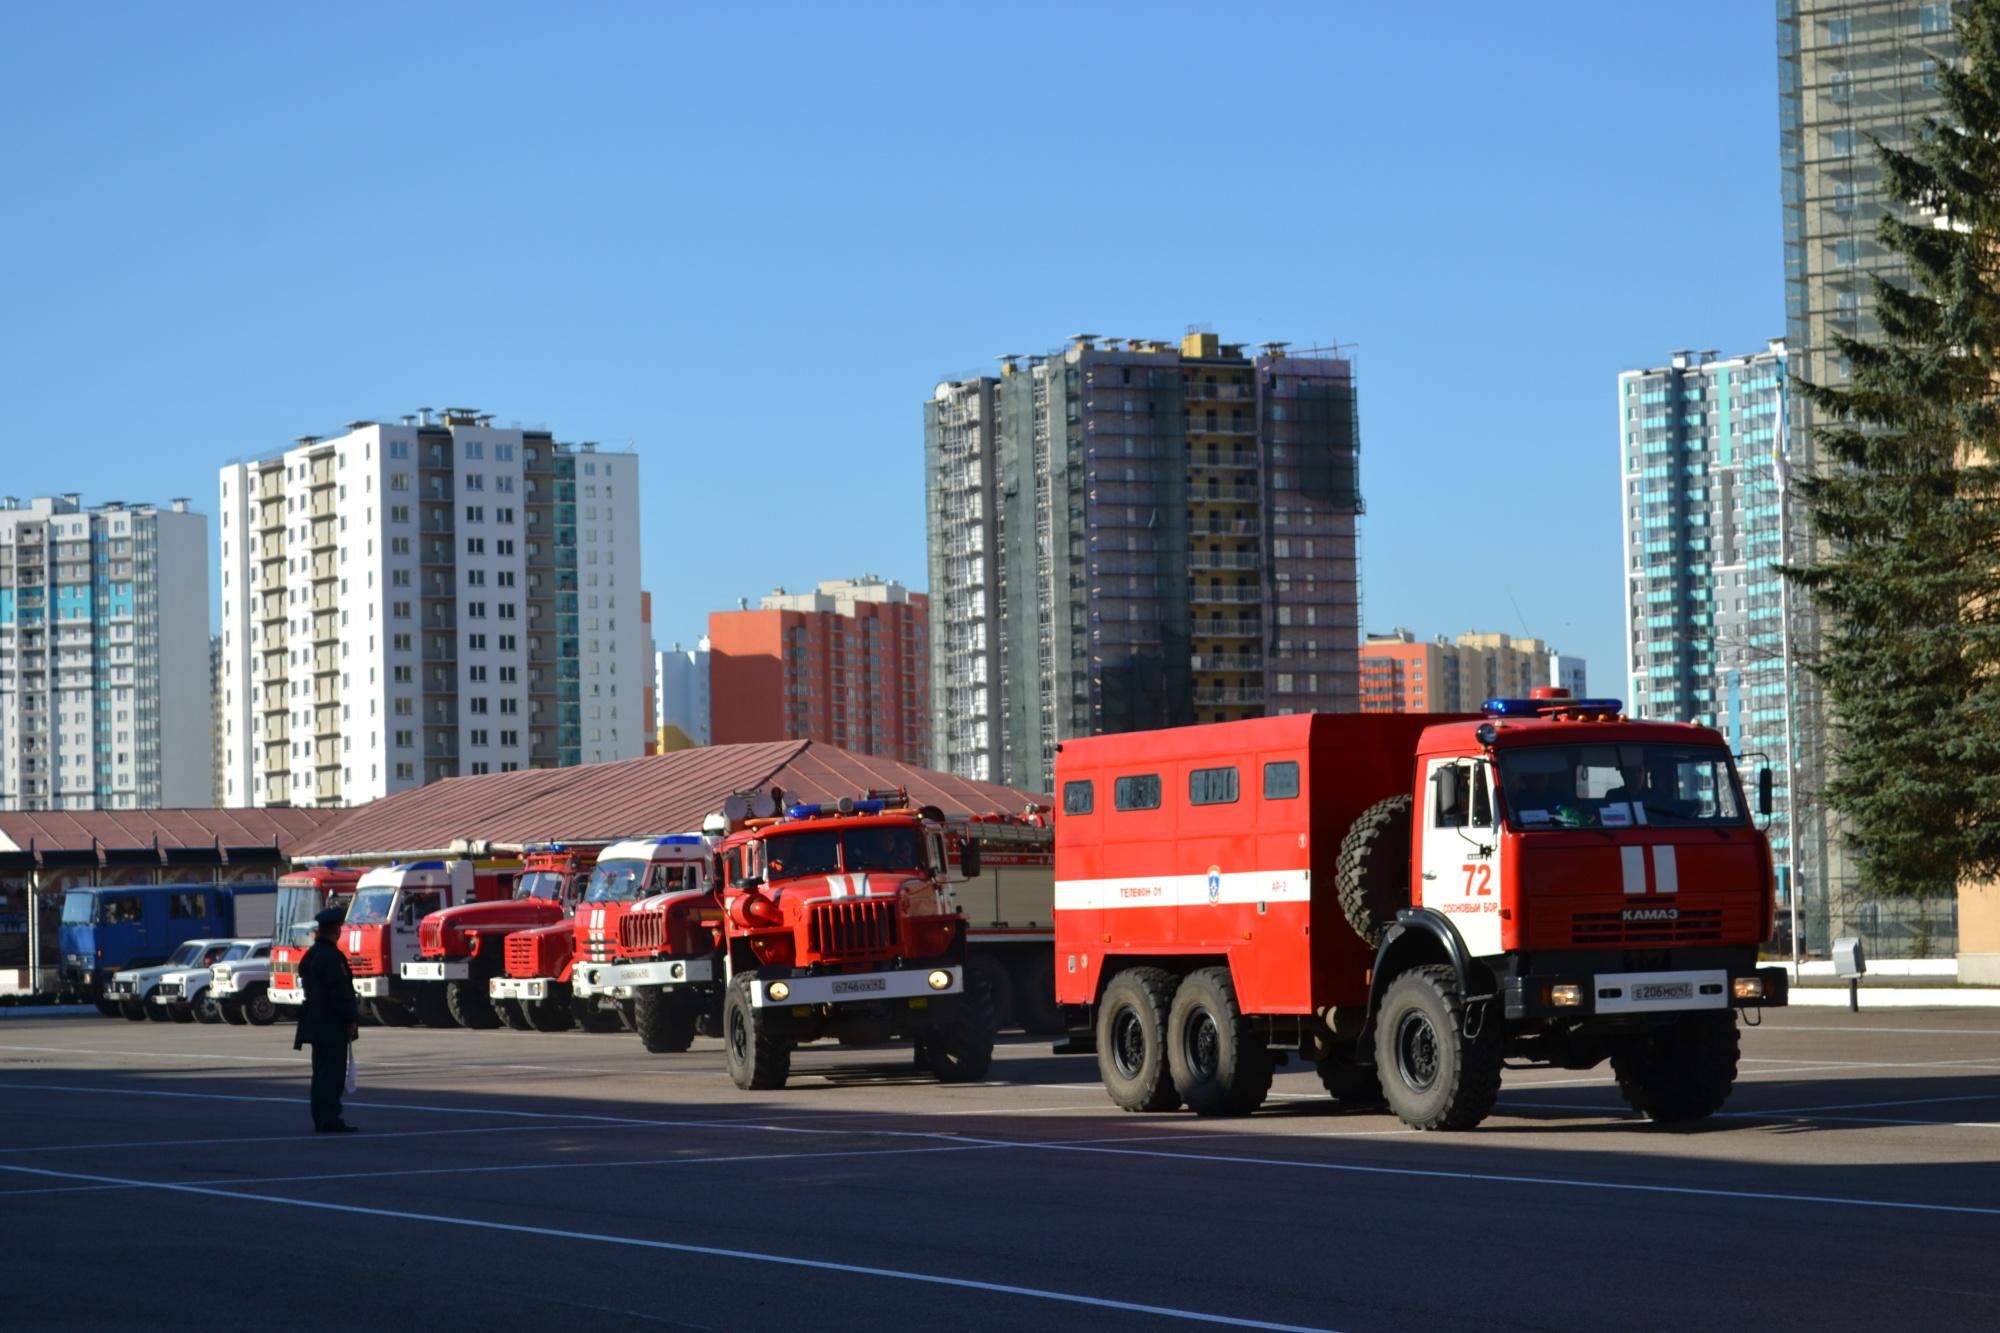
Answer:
(1128, 533)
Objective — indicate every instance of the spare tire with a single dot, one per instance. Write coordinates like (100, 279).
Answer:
(1372, 874)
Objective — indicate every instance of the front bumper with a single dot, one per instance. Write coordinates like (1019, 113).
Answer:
(618, 980)
(1638, 994)
(521, 988)
(449, 969)
(374, 988)
(292, 994)
(852, 987)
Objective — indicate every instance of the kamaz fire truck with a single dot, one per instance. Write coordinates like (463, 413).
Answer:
(302, 896)
(533, 989)
(647, 941)
(1410, 900)
(839, 921)
(463, 948)
(382, 931)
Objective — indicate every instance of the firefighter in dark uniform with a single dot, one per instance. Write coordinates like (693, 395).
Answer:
(328, 1020)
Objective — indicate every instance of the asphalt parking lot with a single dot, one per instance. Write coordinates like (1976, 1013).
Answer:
(522, 1180)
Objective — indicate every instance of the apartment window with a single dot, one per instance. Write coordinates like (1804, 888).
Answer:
(478, 703)
(399, 513)
(504, 545)
(399, 448)
(475, 481)
(478, 736)
(399, 481)
(475, 449)
(1839, 31)
(507, 642)
(403, 708)
(477, 642)
(405, 772)
(475, 546)
(1841, 143)
(503, 453)
(401, 611)
(1934, 18)
(510, 705)
(475, 514)
(504, 515)
(402, 675)
(506, 610)
(510, 738)
(475, 610)
(475, 578)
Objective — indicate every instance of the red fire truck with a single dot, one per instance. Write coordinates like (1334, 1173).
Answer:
(381, 933)
(463, 948)
(533, 990)
(303, 895)
(1408, 901)
(839, 921)
(648, 941)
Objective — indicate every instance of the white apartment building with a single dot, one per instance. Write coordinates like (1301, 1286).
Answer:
(103, 656)
(431, 599)
(681, 686)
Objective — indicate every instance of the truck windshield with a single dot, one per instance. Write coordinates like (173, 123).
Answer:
(78, 908)
(885, 847)
(371, 907)
(617, 881)
(301, 934)
(539, 884)
(1619, 786)
(810, 852)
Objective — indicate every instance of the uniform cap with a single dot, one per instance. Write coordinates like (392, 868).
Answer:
(332, 918)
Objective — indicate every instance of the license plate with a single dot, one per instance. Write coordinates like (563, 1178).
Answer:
(1663, 990)
(868, 986)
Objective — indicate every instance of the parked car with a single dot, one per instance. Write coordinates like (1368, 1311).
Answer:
(131, 989)
(241, 987)
(184, 992)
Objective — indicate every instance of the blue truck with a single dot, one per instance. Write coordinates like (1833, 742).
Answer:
(106, 928)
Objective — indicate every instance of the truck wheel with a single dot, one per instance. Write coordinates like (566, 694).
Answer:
(133, 1011)
(157, 1013)
(551, 1014)
(1132, 1039)
(998, 985)
(962, 1051)
(470, 1005)
(757, 1059)
(1371, 875)
(258, 1007)
(180, 1013)
(206, 1010)
(708, 1019)
(1683, 1072)
(593, 1017)
(1348, 1083)
(1035, 995)
(232, 1012)
(109, 1008)
(389, 1014)
(1219, 1063)
(1433, 1075)
(512, 1014)
(664, 1019)
(431, 1008)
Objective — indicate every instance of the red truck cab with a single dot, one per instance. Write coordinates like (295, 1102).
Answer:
(302, 896)
(534, 981)
(646, 944)
(383, 928)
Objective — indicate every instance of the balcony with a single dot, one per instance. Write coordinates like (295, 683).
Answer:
(1215, 462)
(1225, 596)
(1226, 662)
(1224, 560)
(1240, 697)
(1227, 629)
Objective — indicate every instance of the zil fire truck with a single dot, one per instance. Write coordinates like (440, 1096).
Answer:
(1408, 901)
(647, 941)
(839, 921)
(303, 895)
(533, 990)
(382, 933)
(464, 948)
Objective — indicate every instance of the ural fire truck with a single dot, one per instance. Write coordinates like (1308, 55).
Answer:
(381, 933)
(1408, 901)
(648, 941)
(464, 948)
(533, 991)
(839, 921)
(302, 896)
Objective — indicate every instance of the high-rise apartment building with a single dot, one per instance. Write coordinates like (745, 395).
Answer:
(1128, 533)
(103, 656)
(681, 683)
(1401, 674)
(424, 600)
(847, 664)
(1849, 71)
(1702, 441)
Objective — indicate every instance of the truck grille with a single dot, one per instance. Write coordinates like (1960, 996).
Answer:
(285, 968)
(1695, 925)
(533, 955)
(170, 989)
(430, 936)
(852, 928)
(642, 932)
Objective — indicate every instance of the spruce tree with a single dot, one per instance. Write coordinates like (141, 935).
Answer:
(1907, 509)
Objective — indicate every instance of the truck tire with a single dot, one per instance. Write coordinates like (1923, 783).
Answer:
(180, 1013)
(758, 1059)
(232, 1012)
(432, 1010)
(1218, 1060)
(258, 1007)
(390, 1014)
(157, 1013)
(1679, 1073)
(1035, 1005)
(664, 1019)
(512, 1015)
(593, 1017)
(999, 986)
(1371, 876)
(109, 1008)
(552, 1013)
(470, 1005)
(1132, 1040)
(962, 1050)
(1349, 1084)
(133, 1010)
(206, 1010)
(1433, 1075)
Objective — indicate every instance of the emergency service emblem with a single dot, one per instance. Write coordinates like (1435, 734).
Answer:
(1214, 883)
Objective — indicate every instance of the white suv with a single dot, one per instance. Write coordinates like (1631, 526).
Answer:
(132, 989)
(184, 992)
(241, 987)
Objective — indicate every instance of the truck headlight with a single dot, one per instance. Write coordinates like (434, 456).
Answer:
(1565, 997)
(778, 990)
(939, 980)
(1747, 988)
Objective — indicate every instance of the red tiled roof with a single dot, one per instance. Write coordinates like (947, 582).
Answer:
(667, 793)
(129, 830)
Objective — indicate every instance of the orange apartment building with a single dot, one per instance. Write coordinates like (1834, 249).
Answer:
(1399, 674)
(848, 664)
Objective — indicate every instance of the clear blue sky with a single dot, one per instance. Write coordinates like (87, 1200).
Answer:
(747, 240)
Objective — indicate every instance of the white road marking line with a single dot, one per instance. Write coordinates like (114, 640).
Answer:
(1822, 1029)
(1993, 1096)
(683, 1247)
(280, 1138)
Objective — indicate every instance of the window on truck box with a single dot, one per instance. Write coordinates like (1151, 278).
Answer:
(1212, 786)
(1141, 792)
(1078, 798)
(1281, 780)
(187, 906)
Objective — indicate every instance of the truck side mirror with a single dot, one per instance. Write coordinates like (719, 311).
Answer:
(1764, 791)
(968, 859)
(1448, 800)
(747, 882)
